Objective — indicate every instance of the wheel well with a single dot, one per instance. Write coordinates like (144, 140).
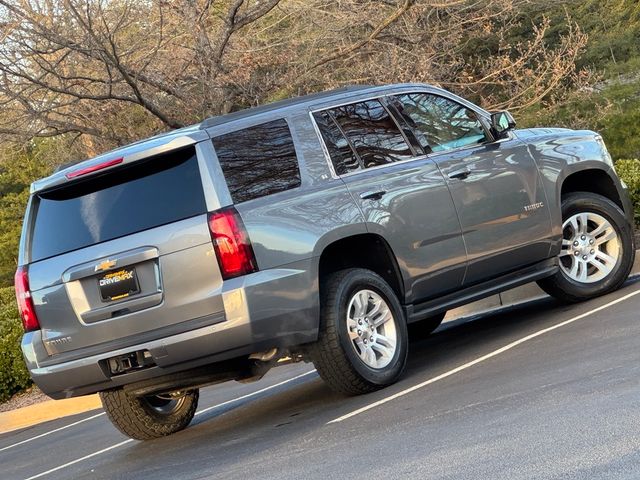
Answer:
(368, 251)
(594, 181)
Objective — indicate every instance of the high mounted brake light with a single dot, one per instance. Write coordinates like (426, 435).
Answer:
(94, 168)
(25, 302)
(231, 243)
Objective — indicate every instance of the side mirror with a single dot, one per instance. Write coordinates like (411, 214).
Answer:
(501, 123)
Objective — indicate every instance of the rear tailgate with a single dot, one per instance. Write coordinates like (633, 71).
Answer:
(124, 256)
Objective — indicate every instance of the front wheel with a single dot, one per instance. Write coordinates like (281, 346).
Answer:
(150, 416)
(597, 249)
(362, 343)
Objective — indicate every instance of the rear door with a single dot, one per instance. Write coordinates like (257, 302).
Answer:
(123, 255)
(496, 186)
(402, 195)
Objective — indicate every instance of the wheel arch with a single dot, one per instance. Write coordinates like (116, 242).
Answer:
(365, 250)
(593, 180)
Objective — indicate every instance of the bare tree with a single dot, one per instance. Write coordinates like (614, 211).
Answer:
(111, 71)
(114, 69)
(460, 45)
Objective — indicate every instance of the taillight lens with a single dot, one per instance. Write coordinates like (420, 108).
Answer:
(231, 243)
(94, 168)
(25, 303)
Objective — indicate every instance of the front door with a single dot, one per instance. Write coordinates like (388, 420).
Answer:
(402, 195)
(495, 185)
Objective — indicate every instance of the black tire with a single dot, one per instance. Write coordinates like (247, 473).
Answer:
(426, 327)
(145, 418)
(570, 290)
(334, 354)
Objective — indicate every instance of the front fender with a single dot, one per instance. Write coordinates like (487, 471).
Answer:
(561, 153)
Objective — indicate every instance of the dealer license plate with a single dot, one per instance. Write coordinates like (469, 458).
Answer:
(118, 284)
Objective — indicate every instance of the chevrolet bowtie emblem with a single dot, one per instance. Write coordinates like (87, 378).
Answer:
(106, 265)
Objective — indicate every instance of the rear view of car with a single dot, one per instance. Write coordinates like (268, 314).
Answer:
(116, 254)
(137, 281)
(115, 241)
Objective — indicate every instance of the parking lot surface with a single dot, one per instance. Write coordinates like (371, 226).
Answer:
(541, 390)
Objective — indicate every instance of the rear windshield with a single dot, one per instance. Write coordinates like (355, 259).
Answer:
(130, 199)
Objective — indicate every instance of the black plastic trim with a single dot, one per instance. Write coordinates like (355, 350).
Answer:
(420, 311)
(148, 336)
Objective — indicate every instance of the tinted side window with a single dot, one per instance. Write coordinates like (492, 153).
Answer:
(258, 161)
(440, 124)
(342, 155)
(372, 132)
(125, 200)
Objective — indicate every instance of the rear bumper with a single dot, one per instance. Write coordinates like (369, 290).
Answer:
(272, 308)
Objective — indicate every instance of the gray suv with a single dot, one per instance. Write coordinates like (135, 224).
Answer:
(312, 229)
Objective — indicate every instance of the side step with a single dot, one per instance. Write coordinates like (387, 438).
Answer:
(417, 312)
(522, 294)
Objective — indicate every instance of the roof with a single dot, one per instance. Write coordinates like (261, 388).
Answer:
(183, 137)
(282, 104)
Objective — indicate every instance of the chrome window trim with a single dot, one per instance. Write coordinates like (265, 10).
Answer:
(387, 165)
(323, 145)
(216, 193)
(24, 249)
(475, 108)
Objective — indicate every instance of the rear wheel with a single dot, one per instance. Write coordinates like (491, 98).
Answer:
(150, 416)
(597, 249)
(362, 344)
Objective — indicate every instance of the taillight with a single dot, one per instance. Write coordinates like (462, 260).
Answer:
(231, 243)
(94, 168)
(25, 303)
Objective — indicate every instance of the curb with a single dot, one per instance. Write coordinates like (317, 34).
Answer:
(54, 409)
(46, 411)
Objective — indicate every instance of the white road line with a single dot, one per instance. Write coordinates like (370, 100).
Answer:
(78, 460)
(253, 394)
(479, 360)
(52, 431)
(197, 413)
(360, 410)
(117, 445)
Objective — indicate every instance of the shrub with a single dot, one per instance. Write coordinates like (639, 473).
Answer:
(629, 172)
(14, 376)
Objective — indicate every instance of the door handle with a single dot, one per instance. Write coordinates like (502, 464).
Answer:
(374, 195)
(460, 174)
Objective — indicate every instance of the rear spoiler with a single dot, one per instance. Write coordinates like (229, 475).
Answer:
(122, 156)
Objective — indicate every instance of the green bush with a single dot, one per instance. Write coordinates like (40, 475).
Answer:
(629, 172)
(14, 376)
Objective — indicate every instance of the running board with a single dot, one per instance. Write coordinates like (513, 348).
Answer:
(420, 311)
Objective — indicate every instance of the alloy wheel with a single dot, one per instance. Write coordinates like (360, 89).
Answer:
(372, 328)
(590, 247)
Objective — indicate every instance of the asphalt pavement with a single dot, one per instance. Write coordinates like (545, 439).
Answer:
(542, 390)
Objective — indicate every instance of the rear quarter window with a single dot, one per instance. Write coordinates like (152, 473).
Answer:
(125, 200)
(258, 161)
